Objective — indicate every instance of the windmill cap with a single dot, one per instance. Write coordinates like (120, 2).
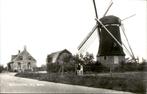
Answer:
(110, 20)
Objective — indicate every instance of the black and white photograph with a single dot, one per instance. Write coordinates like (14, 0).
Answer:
(73, 46)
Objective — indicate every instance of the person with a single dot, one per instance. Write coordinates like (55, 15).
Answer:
(79, 69)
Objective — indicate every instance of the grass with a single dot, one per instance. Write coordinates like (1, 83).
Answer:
(132, 82)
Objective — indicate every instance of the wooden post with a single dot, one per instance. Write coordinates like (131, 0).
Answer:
(62, 68)
(111, 68)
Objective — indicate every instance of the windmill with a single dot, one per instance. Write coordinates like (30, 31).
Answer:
(111, 48)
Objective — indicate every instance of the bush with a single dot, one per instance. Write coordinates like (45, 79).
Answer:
(53, 67)
(95, 67)
(69, 67)
(129, 66)
(131, 84)
(142, 66)
(1, 68)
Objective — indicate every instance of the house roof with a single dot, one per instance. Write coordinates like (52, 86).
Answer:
(23, 53)
(55, 55)
(13, 57)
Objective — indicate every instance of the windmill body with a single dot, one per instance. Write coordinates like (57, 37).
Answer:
(110, 52)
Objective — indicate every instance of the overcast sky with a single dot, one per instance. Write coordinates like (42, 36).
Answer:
(47, 26)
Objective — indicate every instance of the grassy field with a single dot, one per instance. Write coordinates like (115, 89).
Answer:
(128, 81)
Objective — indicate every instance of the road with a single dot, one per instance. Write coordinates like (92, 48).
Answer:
(11, 84)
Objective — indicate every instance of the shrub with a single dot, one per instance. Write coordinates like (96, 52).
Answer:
(142, 66)
(96, 67)
(130, 66)
(131, 84)
(1, 68)
(69, 67)
(53, 67)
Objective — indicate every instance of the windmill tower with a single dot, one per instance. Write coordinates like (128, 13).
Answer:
(110, 52)
(111, 48)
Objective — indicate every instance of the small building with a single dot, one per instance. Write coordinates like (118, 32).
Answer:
(58, 57)
(23, 61)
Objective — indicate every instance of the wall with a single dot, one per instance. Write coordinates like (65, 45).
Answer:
(24, 65)
(111, 61)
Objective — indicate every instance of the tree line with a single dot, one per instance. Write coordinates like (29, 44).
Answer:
(90, 65)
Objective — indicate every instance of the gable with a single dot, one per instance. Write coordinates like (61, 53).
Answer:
(24, 55)
(13, 57)
(54, 57)
(63, 55)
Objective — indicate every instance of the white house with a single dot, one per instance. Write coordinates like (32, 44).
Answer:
(23, 61)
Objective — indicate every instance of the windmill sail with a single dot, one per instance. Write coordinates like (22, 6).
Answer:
(128, 17)
(88, 40)
(88, 43)
(111, 3)
(96, 14)
(123, 29)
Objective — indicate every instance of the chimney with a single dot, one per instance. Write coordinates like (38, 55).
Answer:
(25, 47)
(18, 51)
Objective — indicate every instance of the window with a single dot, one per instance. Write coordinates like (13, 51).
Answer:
(20, 58)
(29, 65)
(19, 65)
(105, 57)
(29, 58)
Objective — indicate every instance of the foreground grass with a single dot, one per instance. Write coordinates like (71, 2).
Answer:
(132, 82)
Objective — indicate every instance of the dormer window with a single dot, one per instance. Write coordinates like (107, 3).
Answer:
(30, 58)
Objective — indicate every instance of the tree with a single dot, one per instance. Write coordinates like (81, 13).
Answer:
(52, 67)
(142, 66)
(65, 60)
(88, 58)
(49, 59)
(78, 59)
(43, 67)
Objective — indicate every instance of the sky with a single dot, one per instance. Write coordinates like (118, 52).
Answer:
(47, 26)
